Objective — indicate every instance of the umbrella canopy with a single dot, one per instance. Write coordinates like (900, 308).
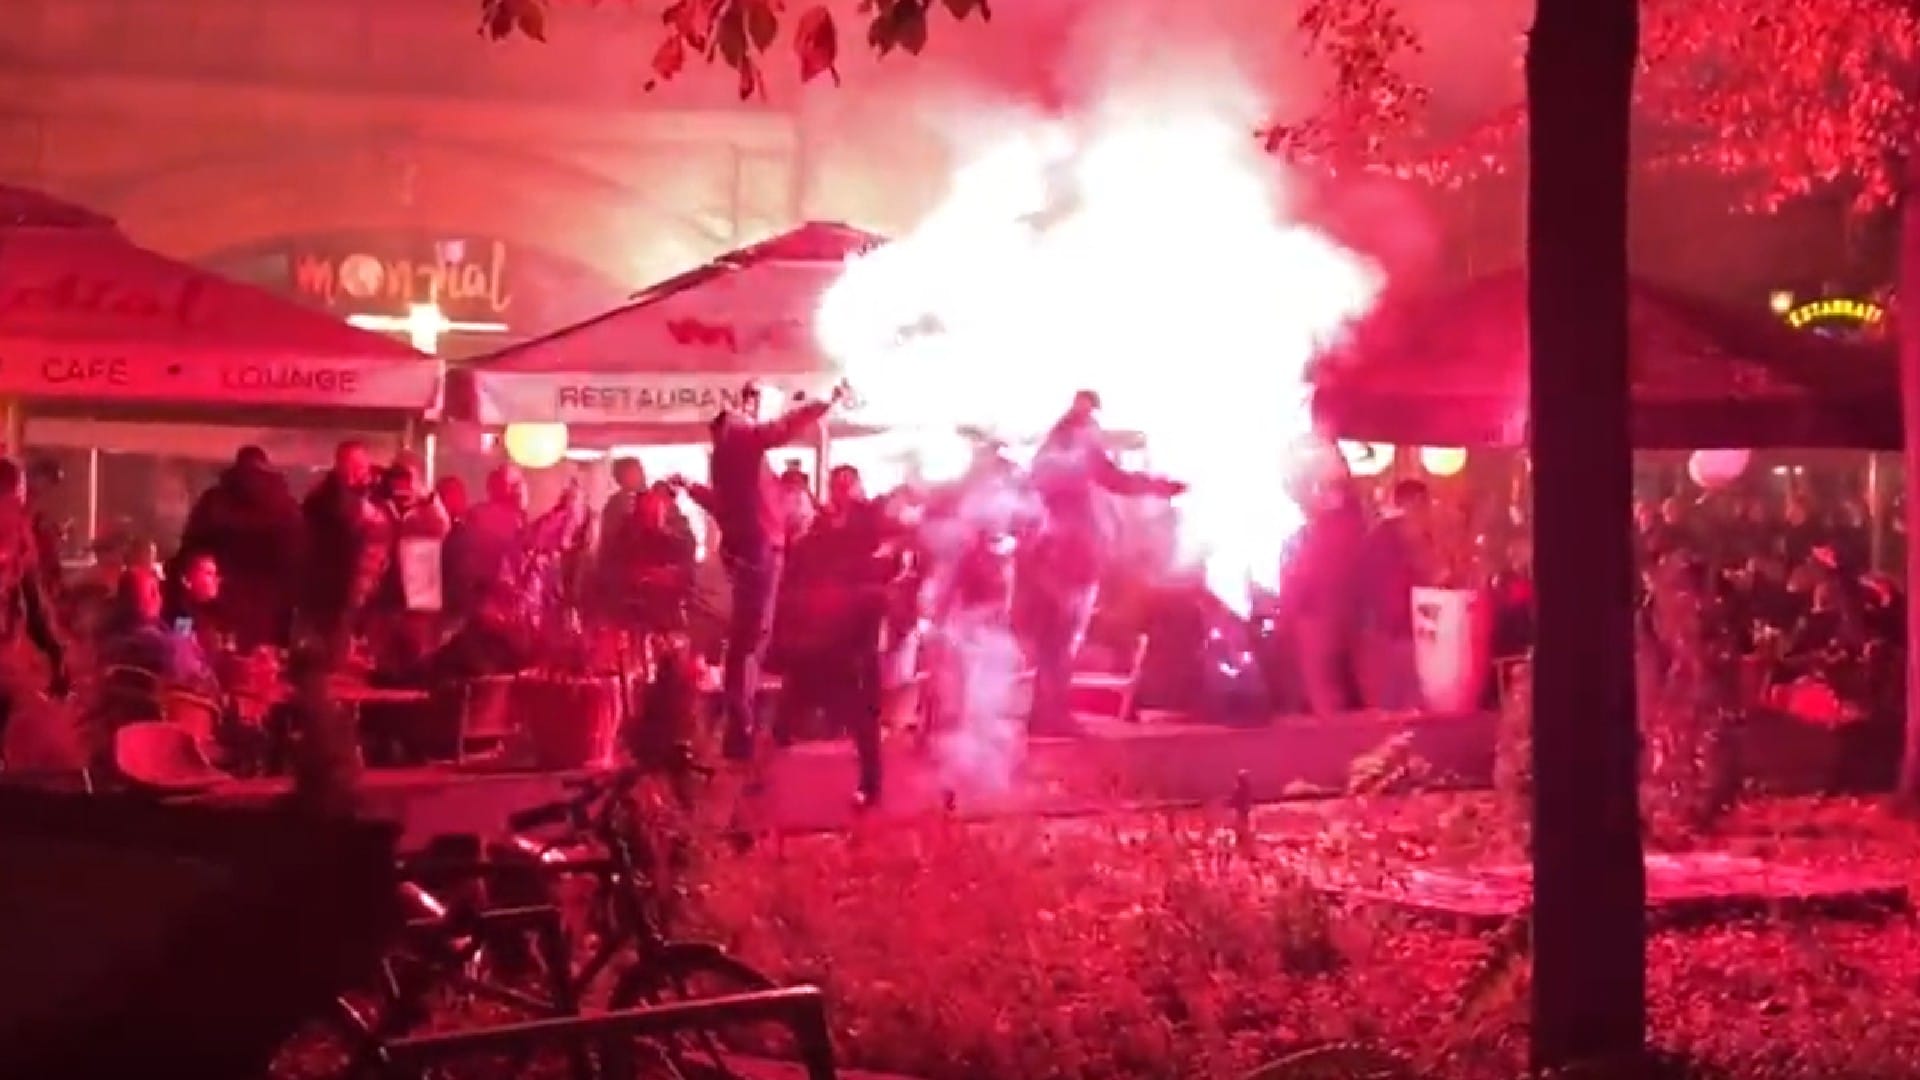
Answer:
(1451, 370)
(87, 314)
(23, 207)
(675, 353)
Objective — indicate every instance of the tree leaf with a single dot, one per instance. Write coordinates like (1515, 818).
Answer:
(731, 36)
(531, 18)
(670, 58)
(817, 43)
(910, 27)
(960, 9)
(497, 18)
(762, 24)
(749, 79)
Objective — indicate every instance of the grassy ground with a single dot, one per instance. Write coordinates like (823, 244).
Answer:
(1175, 945)
(1164, 945)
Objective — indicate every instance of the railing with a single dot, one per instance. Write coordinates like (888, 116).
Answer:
(802, 1009)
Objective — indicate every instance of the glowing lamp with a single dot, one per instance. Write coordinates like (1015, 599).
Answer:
(1443, 460)
(1717, 468)
(535, 446)
(1781, 301)
(1366, 458)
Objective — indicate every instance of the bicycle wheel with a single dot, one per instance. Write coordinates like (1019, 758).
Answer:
(684, 972)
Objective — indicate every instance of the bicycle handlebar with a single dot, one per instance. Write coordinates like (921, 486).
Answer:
(539, 817)
(585, 791)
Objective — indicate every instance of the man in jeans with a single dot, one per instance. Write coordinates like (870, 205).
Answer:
(1060, 573)
(1393, 559)
(752, 509)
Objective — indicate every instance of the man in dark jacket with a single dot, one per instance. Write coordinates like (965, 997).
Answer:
(1060, 570)
(26, 613)
(1392, 562)
(843, 567)
(338, 514)
(49, 534)
(752, 509)
(251, 525)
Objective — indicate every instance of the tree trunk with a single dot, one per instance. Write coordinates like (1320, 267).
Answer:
(1589, 934)
(1907, 325)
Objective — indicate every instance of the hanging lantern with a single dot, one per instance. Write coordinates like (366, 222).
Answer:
(1366, 458)
(535, 446)
(1443, 460)
(1717, 468)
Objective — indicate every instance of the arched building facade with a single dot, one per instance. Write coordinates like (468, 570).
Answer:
(366, 156)
(241, 127)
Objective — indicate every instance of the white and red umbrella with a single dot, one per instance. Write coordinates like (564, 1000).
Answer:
(675, 353)
(85, 313)
(1451, 369)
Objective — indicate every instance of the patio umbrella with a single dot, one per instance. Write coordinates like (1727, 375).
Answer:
(85, 313)
(1451, 370)
(21, 207)
(661, 365)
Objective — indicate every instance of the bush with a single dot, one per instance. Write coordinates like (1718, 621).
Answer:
(1162, 948)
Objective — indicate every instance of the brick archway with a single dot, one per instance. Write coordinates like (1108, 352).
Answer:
(211, 207)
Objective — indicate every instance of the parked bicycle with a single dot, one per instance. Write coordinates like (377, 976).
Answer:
(486, 924)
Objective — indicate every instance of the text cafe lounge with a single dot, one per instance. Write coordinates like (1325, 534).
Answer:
(137, 377)
(140, 438)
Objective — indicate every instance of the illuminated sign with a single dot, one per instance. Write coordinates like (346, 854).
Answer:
(451, 277)
(1836, 309)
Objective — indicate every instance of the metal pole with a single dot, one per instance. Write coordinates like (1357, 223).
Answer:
(823, 450)
(12, 428)
(1876, 516)
(429, 452)
(93, 494)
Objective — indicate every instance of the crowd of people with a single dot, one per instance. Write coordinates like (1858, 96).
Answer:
(841, 595)
(413, 581)
(851, 600)
(1789, 586)
(397, 578)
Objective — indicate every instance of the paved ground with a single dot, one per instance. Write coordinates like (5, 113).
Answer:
(809, 787)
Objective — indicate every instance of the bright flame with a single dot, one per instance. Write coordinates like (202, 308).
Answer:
(1149, 260)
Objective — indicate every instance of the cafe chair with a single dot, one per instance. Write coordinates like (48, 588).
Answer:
(194, 713)
(163, 757)
(125, 694)
(1120, 686)
(488, 728)
(45, 747)
(1512, 675)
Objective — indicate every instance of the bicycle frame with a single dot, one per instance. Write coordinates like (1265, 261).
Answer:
(800, 1008)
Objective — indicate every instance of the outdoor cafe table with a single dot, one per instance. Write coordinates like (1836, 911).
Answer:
(354, 694)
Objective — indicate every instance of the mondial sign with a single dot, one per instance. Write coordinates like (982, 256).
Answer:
(1859, 313)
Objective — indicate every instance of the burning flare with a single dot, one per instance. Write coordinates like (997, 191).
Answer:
(1147, 257)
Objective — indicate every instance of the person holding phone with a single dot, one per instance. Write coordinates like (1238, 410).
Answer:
(752, 507)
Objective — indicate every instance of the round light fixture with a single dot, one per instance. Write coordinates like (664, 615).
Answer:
(1365, 458)
(535, 446)
(1443, 460)
(1717, 468)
